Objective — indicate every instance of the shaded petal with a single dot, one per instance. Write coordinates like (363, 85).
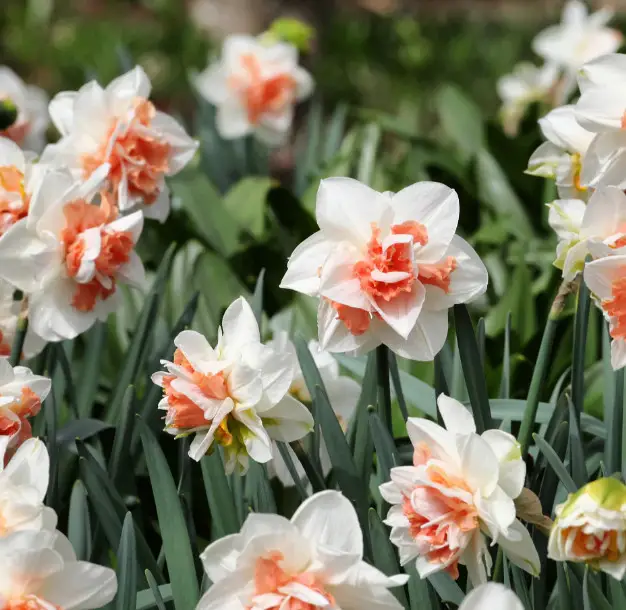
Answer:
(289, 420)
(457, 418)
(305, 263)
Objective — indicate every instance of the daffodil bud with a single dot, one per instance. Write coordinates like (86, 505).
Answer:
(295, 32)
(8, 113)
(590, 527)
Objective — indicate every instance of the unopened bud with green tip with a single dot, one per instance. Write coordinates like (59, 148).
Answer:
(291, 30)
(8, 113)
(590, 527)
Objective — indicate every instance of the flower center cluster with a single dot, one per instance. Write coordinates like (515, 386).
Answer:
(185, 415)
(5, 345)
(440, 516)
(13, 417)
(30, 602)
(13, 200)
(115, 248)
(261, 94)
(615, 307)
(271, 580)
(138, 154)
(586, 543)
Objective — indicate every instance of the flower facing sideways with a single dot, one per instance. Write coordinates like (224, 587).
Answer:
(29, 106)
(491, 596)
(255, 86)
(386, 267)
(343, 394)
(315, 560)
(235, 395)
(590, 527)
(606, 279)
(120, 127)
(561, 157)
(579, 38)
(461, 485)
(69, 254)
(23, 486)
(21, 395)
(526, 85)
(18, 180)
(597, 228)
(39, 571)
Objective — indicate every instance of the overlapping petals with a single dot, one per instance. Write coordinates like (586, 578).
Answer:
(461, 485)
(21, 396)
(255, 86)
(69, 253)
(315, 560)
(117, 127)
(235, 395)
(386, 267)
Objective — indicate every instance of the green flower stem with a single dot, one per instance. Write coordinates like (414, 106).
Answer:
(384, 390)
(20, 337)
(541, 368)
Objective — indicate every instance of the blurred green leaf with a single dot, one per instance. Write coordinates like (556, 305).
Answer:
(219, 495)
(78, 523)
(127, 566)
(246, 203)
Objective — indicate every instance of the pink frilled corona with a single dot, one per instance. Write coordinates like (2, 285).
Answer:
(386, 267)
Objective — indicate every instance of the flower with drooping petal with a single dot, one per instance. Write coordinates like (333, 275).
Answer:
(460, 485)
(23, 487)
(255, 86)
(606, 279)
(343, 394)
(9, 317)
(491, 596)
(597, 228)
(39, 571)
(28, 129)
(314, 560)
(120, 127)
(21, 395)
(19, 178)
(387, 267)
(590, 527)
(526, 85)
(579, 38)
(601, 109)
(561, 157)
(69, 254)
(235, 395)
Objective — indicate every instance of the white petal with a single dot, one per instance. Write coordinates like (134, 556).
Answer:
(212, 84)
(219, 559)
(195, 348)
(521, 551)
(334, 335)
(239, 325)
(457, 418)
(305, 263)
(600, 274)
(491, 595)
(480, 465)
(338, 282)
(289, 420)
(605, 214)
(30, 466)
(232, 121)
(346, 209)
(329, 519)
(560, 127)
(433, 205)
(600, 110)
(61, 111)
(125, 89)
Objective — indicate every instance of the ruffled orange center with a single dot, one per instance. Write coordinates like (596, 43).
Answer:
(270, 578)
(30, 602)
(182, 413)
(595, 545)
(357, 321)
(437, 520)
(13, 199)
(5, 345)
(139, 154)
(14, 418)
(115, 249)
(438, 274)
(615, 307)
(262, 94)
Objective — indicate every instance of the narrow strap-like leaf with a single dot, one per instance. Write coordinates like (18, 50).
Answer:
(79, 523)
(176, 544)
(283, 449)
(127, 566)
(219, 495)
(556, 464)
(159, 602)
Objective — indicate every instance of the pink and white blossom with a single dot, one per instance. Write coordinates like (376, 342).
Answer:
(118, 127)
(21, 396)
(386, 267)
(39, 571)
(314, 560)
(31, 106)
(235, 395)
(69, 254)
(255, 86)
(460, 487)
